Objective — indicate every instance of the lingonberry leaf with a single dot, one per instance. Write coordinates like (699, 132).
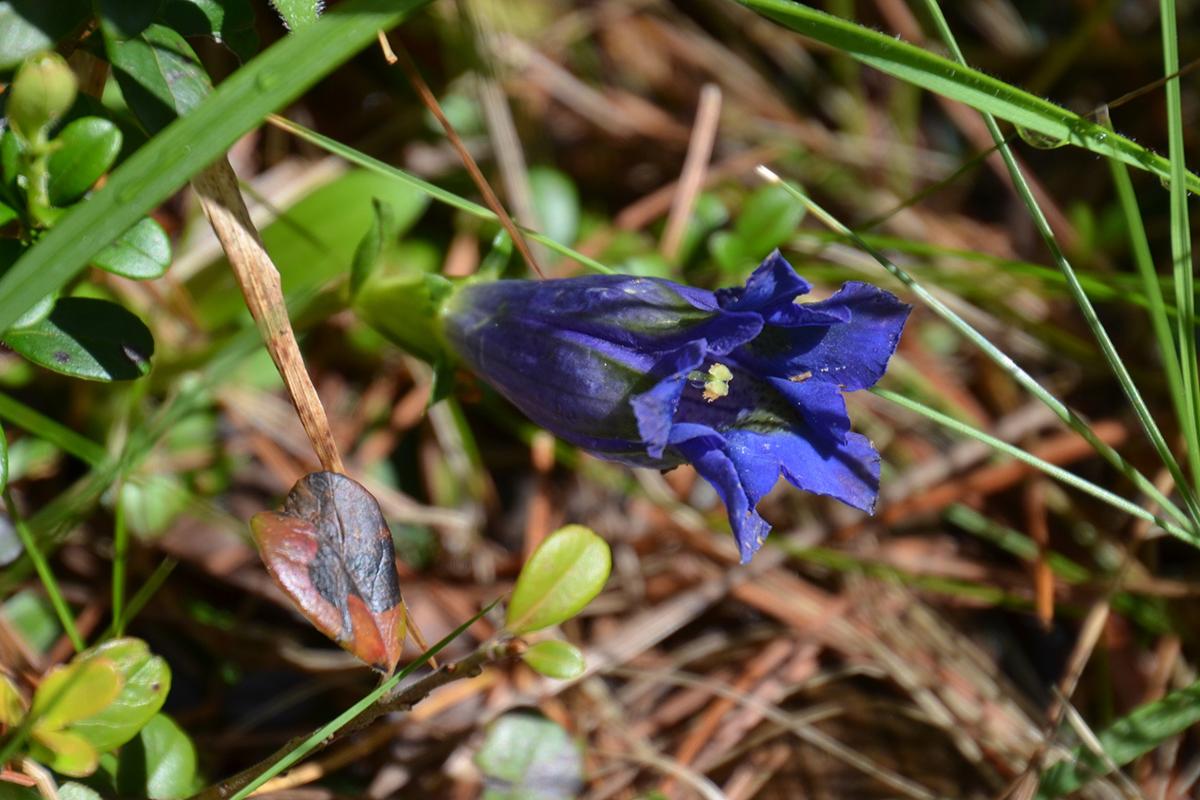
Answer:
(330, 549)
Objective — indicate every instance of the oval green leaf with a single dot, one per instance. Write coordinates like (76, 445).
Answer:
(556, 202)
(146, 679)
(555, 659)
(64, 751)
(142, 253)
(159, 74)
(85, 149)
(528, 757)
(31, 26)
(73, 692)
(87, 338)
(560, 578)
(77, 791)
(159, 764)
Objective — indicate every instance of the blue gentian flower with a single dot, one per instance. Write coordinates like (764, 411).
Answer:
(744, 384)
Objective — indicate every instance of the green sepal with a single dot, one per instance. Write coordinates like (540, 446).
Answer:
(407, 309)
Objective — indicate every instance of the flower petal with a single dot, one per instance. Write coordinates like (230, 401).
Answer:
(854, 355)
(851, 354)
(821, 404)
(705, 449)
(773, 283)
(848, 472)
(655, 408)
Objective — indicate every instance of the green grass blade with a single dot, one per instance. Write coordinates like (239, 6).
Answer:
(1160, 322)
(1073, 420)
(972, 87)
(1136, 733)
(166, 162)
(347, 716)
(1107, 348)
(1054, 471)
(433, 191)
(1181, 241)
(44, 573)
(56, 433)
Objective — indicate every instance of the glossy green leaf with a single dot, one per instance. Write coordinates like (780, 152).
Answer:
(708, 214)
(298, 14)
(87, 338)
(528, 757)
(64, 751)
(230, 22)
(768, 219)
(561, 577)
(159, 75)
(165, 163)
(948, 78)
(86, 148)
(31, 26)
(159, 764)
(146, 680)
(1136, 733)
(556, 202)
(77, 791)
(142, 253)
(555, 659)
(75, 691)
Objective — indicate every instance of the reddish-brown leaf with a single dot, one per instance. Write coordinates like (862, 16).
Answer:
(330, 549)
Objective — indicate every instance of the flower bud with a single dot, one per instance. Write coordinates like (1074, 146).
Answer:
(43, 90)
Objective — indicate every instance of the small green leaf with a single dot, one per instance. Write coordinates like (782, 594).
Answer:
(142, 253)
(77, 791)
(158, 73)
(146, 679)
(768, 219)
(12, 704)
(556, 201)
(560, 578)
(159, 764)
(707, 215)
(298, 13)
(85, 149)
(64, 751)
(230, 22)
(31, 26)
(73, 692)
(3, 460)
(87, 338)
(528, 757)
(555, 659)
(32, 616)
(152, 502)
